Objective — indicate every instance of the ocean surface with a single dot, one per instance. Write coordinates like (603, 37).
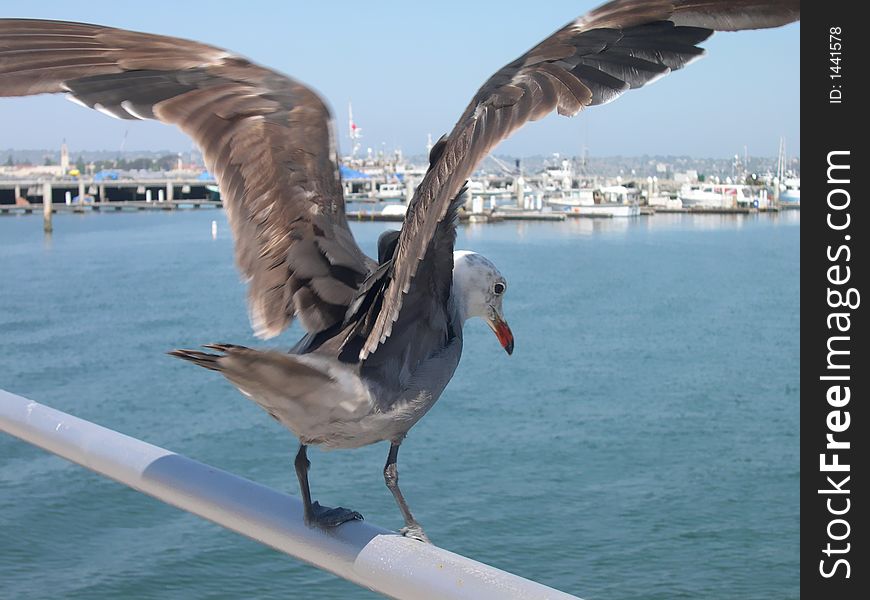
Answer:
(642, 441)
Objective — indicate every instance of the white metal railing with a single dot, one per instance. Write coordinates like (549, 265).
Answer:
(365, 554)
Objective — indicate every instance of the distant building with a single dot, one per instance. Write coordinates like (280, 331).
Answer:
(664, 170)
(22, 171)
(64, 158)
(688, 176)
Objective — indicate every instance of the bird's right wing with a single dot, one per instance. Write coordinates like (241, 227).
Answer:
(266, 138)
(618, 46)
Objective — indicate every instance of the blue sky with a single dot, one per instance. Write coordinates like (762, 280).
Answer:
(410, 69)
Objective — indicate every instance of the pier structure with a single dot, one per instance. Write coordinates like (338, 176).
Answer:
(46, 207)
(489, 198)
(138, 205)
(83, 191)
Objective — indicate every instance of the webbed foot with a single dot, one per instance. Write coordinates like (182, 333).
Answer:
(327, 518)
(415, 532)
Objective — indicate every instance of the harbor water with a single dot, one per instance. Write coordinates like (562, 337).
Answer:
(641, 443)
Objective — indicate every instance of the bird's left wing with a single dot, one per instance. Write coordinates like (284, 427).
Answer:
(267, 138)
(620, 45)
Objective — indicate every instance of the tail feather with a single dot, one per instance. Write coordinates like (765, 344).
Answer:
(204, 359)
(311, 395)
(224, 347)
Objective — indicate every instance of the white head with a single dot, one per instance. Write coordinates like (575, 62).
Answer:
(478, 290)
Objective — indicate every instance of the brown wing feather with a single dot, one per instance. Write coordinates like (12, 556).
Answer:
(619, 46)
(267, 139)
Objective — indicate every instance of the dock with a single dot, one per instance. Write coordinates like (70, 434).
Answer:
(116, 205)
(365, 215)
(528, 215)
(466, 217)
(79, 195)
(70, 189)
(702, 210)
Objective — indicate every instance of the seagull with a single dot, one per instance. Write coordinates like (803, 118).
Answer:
(383, 338)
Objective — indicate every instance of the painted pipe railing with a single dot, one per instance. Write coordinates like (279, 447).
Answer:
(370, 556)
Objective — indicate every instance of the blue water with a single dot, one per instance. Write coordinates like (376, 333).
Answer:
(642, 441)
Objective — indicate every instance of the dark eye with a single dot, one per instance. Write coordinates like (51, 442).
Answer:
(499, 288)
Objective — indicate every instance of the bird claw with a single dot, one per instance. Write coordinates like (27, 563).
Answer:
(328, 518)
(415, 532)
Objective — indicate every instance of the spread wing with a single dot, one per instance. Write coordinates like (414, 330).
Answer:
(619, 46)
(267, 139)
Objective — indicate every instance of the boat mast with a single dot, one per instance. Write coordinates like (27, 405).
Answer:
(353, 132)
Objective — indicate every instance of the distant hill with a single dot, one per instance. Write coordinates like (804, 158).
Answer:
(608, 166)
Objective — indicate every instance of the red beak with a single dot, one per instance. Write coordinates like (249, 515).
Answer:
(504, 334)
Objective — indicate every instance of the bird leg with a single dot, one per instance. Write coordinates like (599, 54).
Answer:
(314, 514)
(412, 528)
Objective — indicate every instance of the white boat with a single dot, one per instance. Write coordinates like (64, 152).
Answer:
(573, 197)
(618, 194)
(716, 195)
(390, 191)
(791, 191)
(614, 201)
(393, 210)
(558, 178)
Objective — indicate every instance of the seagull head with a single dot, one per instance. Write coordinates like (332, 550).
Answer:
(478, 291)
